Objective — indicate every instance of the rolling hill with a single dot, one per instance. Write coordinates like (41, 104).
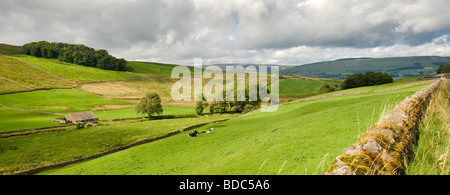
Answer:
(10, 49)
(299, 138)
(398, 67)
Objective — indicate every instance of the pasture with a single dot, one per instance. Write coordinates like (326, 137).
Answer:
(150, 68)
(304, 137)
(131, 113)
(56, 101)
(292, 88)
(11, 120)
(31, 151)
(75, 72)
(132, 90)
(299, 138)
(27, 76)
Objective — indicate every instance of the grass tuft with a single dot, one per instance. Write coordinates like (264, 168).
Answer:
(431, 155)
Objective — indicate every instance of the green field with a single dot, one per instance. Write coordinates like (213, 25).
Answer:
(26, 152)
(75, 72)
(28, 76)
(299, 135)
(56, 101)
(297, 88)
(132, 89)
(150, 68)
(299, 138)
(8, 86)
(131, 113)
(431, 154)
(11, 120)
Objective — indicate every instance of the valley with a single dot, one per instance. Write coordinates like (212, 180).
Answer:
(302, 137)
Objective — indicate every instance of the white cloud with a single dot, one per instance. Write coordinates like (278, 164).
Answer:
(234, 31)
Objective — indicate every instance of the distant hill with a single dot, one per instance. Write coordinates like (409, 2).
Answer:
(10, 49)
(398, 67)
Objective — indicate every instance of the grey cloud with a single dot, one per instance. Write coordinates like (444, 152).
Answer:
(287, 31)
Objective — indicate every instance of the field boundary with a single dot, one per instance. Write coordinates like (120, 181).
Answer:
(26, 110)
(404, 86)
(327, 96)
(32, 131)
(145, 141)
(388, 144)
(36, 89)
(12, 81)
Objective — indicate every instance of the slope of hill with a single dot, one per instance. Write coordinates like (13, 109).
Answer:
(398, 67)
(150, 68)
(292, 87)
(18, 75)
(56, 101)
(10, 49)
(75, 72)
(299, 138)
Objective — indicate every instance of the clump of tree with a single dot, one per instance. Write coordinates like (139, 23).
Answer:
(234, 106)
(443, 69)
(367, 79)
(150, 105)
(75, 53)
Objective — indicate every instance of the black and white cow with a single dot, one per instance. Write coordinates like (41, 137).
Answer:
(194, 134)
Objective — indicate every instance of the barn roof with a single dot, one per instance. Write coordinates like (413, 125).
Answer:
(81, 116)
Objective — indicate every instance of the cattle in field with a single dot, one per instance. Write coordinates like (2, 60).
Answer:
(210, 130)
(194, 134)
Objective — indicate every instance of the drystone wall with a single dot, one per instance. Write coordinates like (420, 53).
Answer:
(384, 148)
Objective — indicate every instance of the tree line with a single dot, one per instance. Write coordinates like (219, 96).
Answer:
(75, 53)
(367, 79)
(225, 106)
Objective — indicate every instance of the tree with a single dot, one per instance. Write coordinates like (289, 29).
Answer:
(443, 69)
(367, 79)
(75, 53)
(201, 105)
(353, 81)
(150, 105)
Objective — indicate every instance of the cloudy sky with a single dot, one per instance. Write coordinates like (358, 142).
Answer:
(288, 32)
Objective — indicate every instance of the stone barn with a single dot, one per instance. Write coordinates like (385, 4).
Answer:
(82, 117)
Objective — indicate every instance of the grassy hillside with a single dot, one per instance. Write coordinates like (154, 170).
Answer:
(26, 152)
(11, 120)
(431, 154)
(18, 75)
(75, 72)
(10, 49)
(150, 68)
(7, 85)
(64, 101)
(304, 136)
(133, 89)
(131, 113)
(291, 88)
(398, 67)
(56, 101)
